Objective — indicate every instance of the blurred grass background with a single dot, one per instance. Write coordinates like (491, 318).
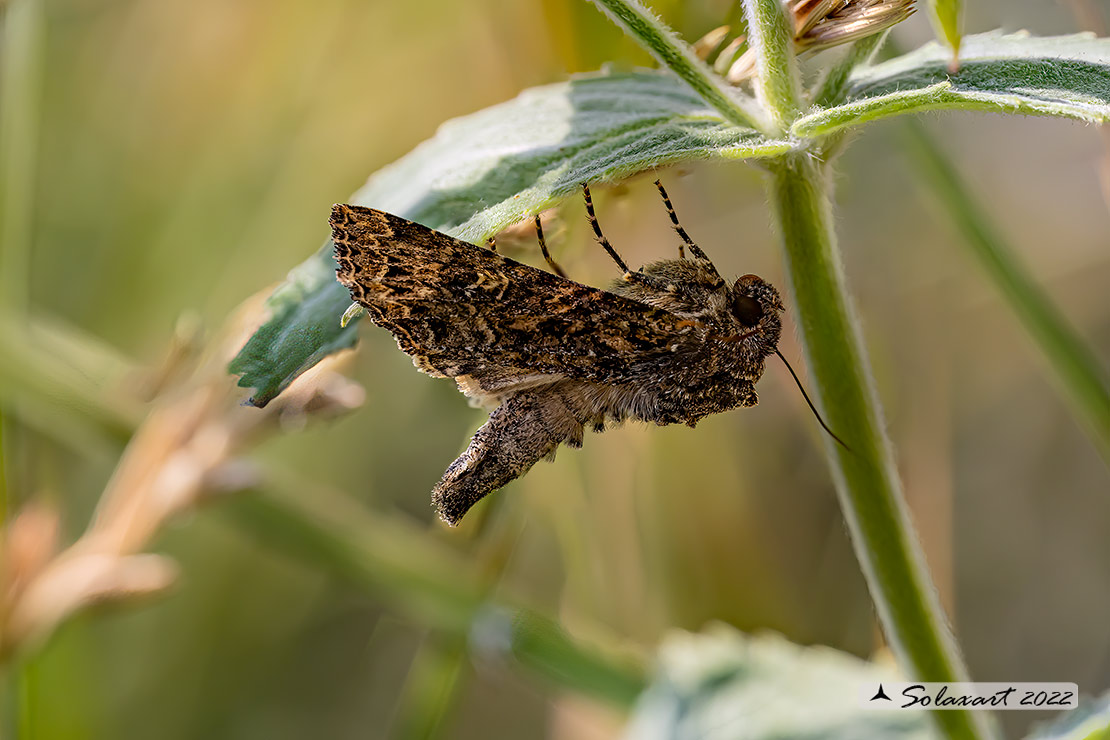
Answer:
(187, 155)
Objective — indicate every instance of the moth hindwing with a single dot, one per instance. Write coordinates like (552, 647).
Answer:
(550, 357)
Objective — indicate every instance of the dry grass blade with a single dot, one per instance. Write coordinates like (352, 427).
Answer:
(185, 452)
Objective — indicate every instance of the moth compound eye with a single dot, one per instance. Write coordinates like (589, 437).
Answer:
(747, 309)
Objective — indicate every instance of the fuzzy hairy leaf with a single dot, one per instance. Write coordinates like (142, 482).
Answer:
(1066, 76)
(722, 684)
(484, 172)
(303, 329)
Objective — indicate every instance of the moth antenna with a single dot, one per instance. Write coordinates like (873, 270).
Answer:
(811, 406)
(543, 249)
(674, 219)
(597, 230)
(694, 248)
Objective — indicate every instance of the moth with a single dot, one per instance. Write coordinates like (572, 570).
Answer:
(669, 343)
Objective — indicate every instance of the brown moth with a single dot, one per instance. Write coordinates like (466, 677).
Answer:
(670, 343)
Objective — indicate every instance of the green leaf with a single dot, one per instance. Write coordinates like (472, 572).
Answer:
(303, 329)
(484, 172)
(945, 15)
(489, 170)
(834, 87)
(722, 684)
(1066, 76)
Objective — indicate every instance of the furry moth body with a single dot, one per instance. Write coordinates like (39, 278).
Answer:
(670, 343)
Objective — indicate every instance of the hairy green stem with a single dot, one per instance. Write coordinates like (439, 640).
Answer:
(771, 37)
(1083, 380)
(866, 481)
(679, 57)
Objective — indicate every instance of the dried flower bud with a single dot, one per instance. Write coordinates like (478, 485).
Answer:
(818, 24)
(710, 42)
(824, 23)
(728, 55)
(808, 13)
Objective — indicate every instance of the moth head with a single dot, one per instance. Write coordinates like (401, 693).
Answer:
(755, 302)
(757, 305)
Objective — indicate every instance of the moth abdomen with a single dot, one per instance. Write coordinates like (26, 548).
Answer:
(527, 427)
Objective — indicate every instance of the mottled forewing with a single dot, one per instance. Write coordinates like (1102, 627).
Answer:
(464, 310)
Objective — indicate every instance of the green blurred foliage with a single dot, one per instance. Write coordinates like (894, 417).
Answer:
(188, 155)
